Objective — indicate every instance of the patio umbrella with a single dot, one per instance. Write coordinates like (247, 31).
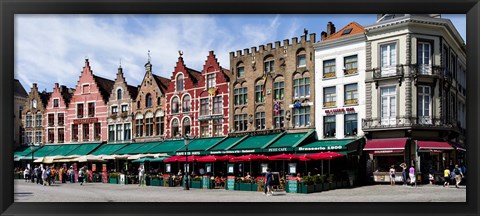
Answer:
(207, 158)
(89, 158)
(171, 159)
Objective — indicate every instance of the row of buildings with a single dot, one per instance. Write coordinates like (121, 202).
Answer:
(398, 84)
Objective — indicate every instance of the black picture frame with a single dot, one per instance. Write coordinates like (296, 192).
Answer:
(8, 9)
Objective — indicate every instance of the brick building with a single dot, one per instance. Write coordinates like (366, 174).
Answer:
(149, 114)
(197, 102)
(87, 110)
(56, 113)
(120, 110)
(272, 87)
(33, 116)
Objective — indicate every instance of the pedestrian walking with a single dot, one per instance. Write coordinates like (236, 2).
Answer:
(26, 174)
(44, 177)
(72, 174)
(411, 173)
(392, 175)
(268, 182)
(49, 176)
(446, 176)
(141, 176)
(81, 175)
(404, 173)
(39, 175)
(458, 175)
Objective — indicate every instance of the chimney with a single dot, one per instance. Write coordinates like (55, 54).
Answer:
(330, 28)
(323, 35)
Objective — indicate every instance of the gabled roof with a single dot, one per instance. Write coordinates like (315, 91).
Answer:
(19, 90)
(67, 94)
(194, 75)
(45, 96)
(350, 29)
(133, 91)
(105, 86)
(162, 83)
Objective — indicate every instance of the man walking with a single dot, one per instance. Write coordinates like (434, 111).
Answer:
(141, 176)
(268, 182)
(458, 175)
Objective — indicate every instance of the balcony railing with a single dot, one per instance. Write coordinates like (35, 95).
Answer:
(386, 72)
(398, 122)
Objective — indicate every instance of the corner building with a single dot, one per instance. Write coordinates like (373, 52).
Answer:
(272, 87)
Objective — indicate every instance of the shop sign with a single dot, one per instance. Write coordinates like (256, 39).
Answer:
(85, 121)
(278, 149)
(231, 183)
(322, 148)
(339, 111)
(292, 184)
(244, 151)
(188, 153)
(384, 151)
(255, 133)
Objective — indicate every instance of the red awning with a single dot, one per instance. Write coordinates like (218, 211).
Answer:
(458, 146)
(386, 146)
(434, 145)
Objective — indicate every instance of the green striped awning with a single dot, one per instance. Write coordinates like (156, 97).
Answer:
(25, 151)
(83, 149)
(254, 142)
(108, 149)
(167, 147)
(201, 144)
(43, 151)
(326, 145)
(63, 150)
(129, 148)
(144, 147)
(287, 140)
(226, 143)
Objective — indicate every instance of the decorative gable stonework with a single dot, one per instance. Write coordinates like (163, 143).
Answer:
(33, 117)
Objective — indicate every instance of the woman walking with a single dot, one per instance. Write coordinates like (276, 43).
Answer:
(268, 182)
(404, 173)
(392, 175)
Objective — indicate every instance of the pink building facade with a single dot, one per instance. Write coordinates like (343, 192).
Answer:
(56, 115)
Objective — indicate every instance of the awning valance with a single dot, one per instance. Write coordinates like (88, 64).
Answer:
(386, 146)
(108, 149)
(436, 145)
(326, 145)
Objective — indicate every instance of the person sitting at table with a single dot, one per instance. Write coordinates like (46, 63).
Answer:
(248, 176)
(299, 177)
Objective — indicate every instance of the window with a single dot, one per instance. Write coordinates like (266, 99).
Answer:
(38, 137)
(114, 109)
(217, 127)
(111, 132)
(175, 127)
(97, 131)
(61, 135)
(329, 126)
(86, 132)
(158, 101)
(159, 125)
(217, 105)
(424, 58)
(186, 103)
(301, 87)
(51, 118)
(119, 94)
(351, 94)
(329, 96)
(351, 124)
(388, 105)
(423, 105)
(138, 104)
(139, 127)
(79, 110)
(388, 58)
(149, 126)
(350, 65)
(240, 71)
(241, 96)
(259, 94)
(186, 126)
(204, 106)
(278, 90)
(61, 119)
(240, 122)
(301, 60)
(347, 31)
(86, 89)
(269, 66)
(148, 100)
(124, 108)
(278, 119)
(301, 117)
(34, 103)
(55, 103)
(28, 121)
(204, 128)
(20, 108)
(126, 132)
(260, 120)
(75, 132)
(180, 82)
(38, 120)
(29, 137)
(210, 81)
(51, 135)
(175, 105)
(329, 68)
(119, 132)
(91, 109)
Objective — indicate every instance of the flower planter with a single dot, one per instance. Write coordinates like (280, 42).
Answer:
(195, 184)
(155, 182)
(112, 180)
(326, 186)
(318, 187)
(254, 187)
(333, 185)
(245, 187)
(306, 189)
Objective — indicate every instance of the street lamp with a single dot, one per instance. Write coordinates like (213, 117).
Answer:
(32, 147)
(187, 141)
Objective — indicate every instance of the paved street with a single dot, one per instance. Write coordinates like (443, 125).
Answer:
(98, 192)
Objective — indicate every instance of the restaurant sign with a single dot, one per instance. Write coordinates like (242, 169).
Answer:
(85, 121)
(322, 148)
(243, 151)
(285, 149)
(188, 153)
(339, 111)
(208, 117)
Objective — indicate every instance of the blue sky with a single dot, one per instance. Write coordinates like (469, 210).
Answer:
(52, 48)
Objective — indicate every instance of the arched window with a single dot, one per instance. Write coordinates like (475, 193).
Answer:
(180, 82)
(186, 126)
(174, 127)
(186, 103)
(148, 100)
(175, 104)
(240, 70)
(301, 58)
(119, 94)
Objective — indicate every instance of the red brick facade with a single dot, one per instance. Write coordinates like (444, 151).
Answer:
(56, 114)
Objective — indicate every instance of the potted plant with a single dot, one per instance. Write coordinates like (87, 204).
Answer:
(318, 182)
(245, 185)
(113, 178)
(308, 184)
(155, 180)
(260, 183)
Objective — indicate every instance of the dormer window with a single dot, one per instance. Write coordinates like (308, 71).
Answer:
(210, 81)
(148, 100)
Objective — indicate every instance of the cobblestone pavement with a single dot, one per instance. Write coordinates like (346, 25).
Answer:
(99, 192)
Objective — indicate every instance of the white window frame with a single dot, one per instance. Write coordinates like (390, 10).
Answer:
(389, 64)
(389, 119)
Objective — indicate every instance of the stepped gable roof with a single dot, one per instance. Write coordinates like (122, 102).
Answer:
(133, 91)
(194, 75)
(105, 86)
(355, 29)
(162, 83)
(45, 96)
(67, 94)
(19, 90)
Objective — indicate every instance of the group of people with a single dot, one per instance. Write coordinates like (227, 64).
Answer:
(456, 174)
(46, 175)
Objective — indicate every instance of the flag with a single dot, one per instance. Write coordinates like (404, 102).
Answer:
(277, 108)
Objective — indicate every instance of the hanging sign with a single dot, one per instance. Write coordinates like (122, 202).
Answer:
(339, 111)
